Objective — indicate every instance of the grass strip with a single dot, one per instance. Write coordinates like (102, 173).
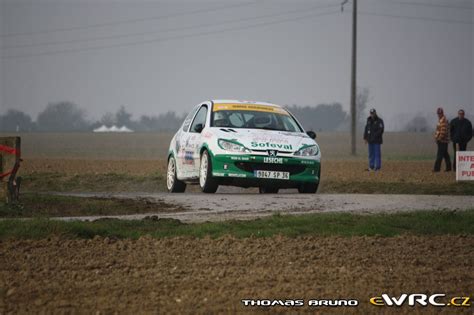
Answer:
(409, 188)
(324, 224)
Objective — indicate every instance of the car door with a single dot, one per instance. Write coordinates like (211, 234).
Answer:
(195, 140)
(182, 140)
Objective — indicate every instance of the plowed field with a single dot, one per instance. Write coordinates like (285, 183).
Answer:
(187, 275)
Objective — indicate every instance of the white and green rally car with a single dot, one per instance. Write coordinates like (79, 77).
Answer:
(246, 144)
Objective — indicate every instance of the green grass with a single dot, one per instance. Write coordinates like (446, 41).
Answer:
(361, 187)
(326, 224)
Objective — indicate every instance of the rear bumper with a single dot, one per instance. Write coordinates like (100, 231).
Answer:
(239, 169)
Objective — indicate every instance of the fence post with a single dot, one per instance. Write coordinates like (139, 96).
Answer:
(3, 184)
(10, 157)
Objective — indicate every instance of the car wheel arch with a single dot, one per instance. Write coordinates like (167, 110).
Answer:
(172, 155)
(205, 148)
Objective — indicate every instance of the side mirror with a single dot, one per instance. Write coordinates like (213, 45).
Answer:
(198, 128)
(311, 134)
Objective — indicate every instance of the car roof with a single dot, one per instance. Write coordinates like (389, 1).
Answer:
(243, 102)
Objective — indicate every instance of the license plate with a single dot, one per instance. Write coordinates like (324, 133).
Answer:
(272, 174)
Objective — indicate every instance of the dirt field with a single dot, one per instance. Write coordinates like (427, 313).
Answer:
(184, 275)
(152, 146)
(346, 170)
(137, 162)
(338, 176)
(206, 276)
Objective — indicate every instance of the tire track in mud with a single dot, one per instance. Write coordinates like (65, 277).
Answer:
(197, 207)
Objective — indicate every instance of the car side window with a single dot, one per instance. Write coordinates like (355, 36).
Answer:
(200, 118)
(187, 120)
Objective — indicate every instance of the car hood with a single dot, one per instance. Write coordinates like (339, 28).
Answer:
(260, 139)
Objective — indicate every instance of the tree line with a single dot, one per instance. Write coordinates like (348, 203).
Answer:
(69, 117)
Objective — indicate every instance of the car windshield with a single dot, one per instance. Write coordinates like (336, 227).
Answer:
(253, 117)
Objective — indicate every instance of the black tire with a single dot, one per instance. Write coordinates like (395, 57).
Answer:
(310, 188)
(207, 183)
(268, 190)
(173, 184)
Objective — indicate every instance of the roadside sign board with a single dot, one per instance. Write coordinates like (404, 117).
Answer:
(464, 165)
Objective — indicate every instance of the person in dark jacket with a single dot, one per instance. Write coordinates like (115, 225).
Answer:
(442, 140)
(461, 133)
(373, 136)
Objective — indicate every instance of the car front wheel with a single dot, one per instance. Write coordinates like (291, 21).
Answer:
(308, 188)
(173, 184)
(207, 183)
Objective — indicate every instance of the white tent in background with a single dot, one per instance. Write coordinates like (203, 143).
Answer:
(102, 128)
(114, 128)
(125, 129)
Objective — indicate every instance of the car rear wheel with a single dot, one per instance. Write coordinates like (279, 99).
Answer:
(173, 184)
(207, 183)
(268, 190)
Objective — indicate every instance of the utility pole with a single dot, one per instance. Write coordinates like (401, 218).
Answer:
(354, 78)
(353, 75)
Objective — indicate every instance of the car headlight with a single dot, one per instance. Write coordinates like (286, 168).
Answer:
(232, 146)
(308, 151)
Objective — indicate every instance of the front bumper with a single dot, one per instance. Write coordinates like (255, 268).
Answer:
(243, 167)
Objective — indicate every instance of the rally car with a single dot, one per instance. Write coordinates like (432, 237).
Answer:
(245, 144)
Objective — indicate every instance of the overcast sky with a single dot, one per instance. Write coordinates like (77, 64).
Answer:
(179, 53)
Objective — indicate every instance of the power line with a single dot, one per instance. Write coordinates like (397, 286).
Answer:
(434, 5)
(165, 30)
(416, 18)
(64, 51)
(130, 21)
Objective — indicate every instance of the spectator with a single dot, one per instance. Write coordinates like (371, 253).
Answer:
(461, 133)
(442, 139)
(373, 136)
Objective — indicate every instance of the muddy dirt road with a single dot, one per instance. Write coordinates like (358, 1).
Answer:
(198, 207)
(197, 276)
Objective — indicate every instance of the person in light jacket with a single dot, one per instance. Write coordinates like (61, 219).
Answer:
(442, 140)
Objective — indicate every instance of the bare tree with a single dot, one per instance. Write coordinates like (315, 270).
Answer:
(417, 124)
(108, 119)
(362, 101)
(123, 118)
(323, 117)
(16, 121)
(62, 116)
